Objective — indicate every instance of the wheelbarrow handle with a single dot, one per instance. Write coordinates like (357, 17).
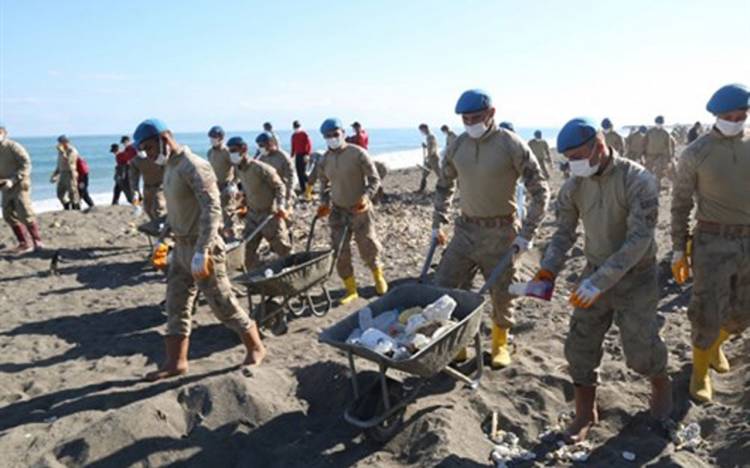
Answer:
(310, 234)
(499, 269)
(340, 246)
(252, 235)
(428, 260)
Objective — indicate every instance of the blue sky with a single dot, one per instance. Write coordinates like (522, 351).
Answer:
(93, 67)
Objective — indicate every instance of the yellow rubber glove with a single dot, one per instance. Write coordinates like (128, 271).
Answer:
(159, 257)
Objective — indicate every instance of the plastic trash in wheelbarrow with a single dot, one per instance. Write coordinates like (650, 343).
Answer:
(434, 357)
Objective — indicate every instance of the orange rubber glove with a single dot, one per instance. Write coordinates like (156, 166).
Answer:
(323, 211)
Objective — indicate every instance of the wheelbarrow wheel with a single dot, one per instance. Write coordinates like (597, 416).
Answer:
(391, 426)
(279, 325)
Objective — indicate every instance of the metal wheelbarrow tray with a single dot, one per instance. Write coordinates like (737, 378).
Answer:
(384, 416)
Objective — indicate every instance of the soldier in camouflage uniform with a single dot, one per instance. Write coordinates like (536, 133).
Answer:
(612, 138)
(198, 259)
(153, 201)
(540, 148)
(271, 154)
(659, 148)
(617, 201)
(714, 173)
(486, 162)
(65, 175)
(218, 156)
(431, 160)
(265, 194)
(15, 187)
(636, 144)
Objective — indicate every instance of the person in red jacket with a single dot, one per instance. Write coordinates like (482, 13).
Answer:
(82, 168)
(360, 137)
(301, 149)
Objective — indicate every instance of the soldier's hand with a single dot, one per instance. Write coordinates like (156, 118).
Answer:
(160, 256)
(439, 236)
(362, 205)
(324, 210)
(6, 184)
(544, 275)
(53, 179)
(521, 244)
(680, 267)
(585, 296)
(281, 213)
(201, 265)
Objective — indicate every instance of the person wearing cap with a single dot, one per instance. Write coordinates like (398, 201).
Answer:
(265, 194)
(612, 138)
(122, 182)
(450, 135)
(348, 182)
(301, 149)
(486, 162)
(617, 201)
(360, 137)
(540, 147)
(218, 156)
(15, 188)
(695, 132)
(198, 258)
(270, 153)
(267, 127)
(65, 175)
(636, 144)
(712, 176)
(431, 159)
(153, 200)
(659, 149)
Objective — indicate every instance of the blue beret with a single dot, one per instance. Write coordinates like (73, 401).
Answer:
(330, 125)
(508, 126)
(62, 139)
(236, 141)
(473, 100)
(263, 138)
(216, 132)
(659, 119)
(606, 123)
(538, 134)
(729, 98)
(575, 133)
(147, 129)
(642, 129)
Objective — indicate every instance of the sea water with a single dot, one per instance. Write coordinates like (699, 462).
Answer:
(397, 148)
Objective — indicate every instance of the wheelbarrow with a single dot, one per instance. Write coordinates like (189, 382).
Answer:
(285, 290)
(379, 409)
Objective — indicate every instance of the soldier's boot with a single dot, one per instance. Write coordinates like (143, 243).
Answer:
(256, 352)
(500, 353)
(661, 397)
(700, 381)
(719, 361)
(66, 206)
(76, 206)
(176, 347)
(381, 285)
(24, 246)
(308, 192)
(350, 284)
(36, 237)
(586, 414)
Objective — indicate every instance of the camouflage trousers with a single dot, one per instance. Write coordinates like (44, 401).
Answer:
(631, 304)
(17, 205)
(543, 166)
(275, 233)
(660, 165)
(228, 211)
(362, 229)
(479, 248)
(721, 286)
(431, 165)
(154, 203)
(67, 188)
(182, 290)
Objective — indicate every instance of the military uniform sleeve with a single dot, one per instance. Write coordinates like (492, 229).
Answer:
(685, 184)
(672, 144)
(547, 154)
(134, 176)
(287, 176)
(372, 179)
(565, 235)
(642, 192)
(531, 174)
(445, 188)
(202, 180)
(325, 184)
(432, 145)
(269, 176)
(23, 164)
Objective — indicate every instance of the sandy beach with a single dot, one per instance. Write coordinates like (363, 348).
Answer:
(76, 344)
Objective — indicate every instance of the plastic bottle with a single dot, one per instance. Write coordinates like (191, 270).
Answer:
(442, 309)
(365, 318)
(377, 341)
(268, 273)
(384, 320)
(413, 323)
(537, 289)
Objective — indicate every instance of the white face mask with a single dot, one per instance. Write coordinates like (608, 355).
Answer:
(141, 154)
(263, 151)
(581, 168)
(161, 159)
(607, 130)
(659, 126)
(235, 158)
(728, 128)
(477, 130)
(335, 142)
(215, 142)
